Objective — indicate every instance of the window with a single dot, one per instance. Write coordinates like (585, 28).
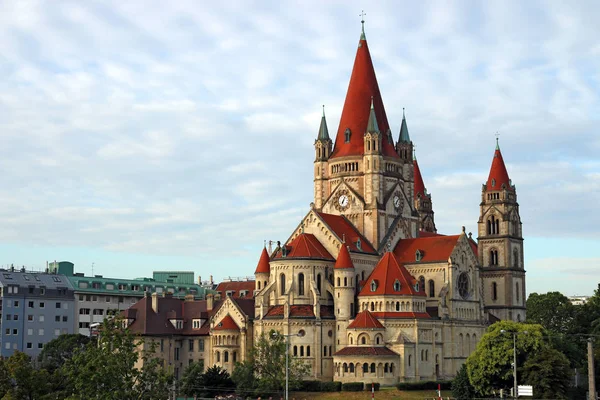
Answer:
(7, 344)
(56, 279)
(29, 331)
(16, 317)
(493, 257)
(347, 135)
(282, 284)
(176, 353)
(200, 344)
(122, 286)
(58, 305)
(43, 291)
(307, 351)
(191, 345)
(493, 225)
(301, 284)
(41, 318)
(7, 331)
(517, 292)
(41, 332)
(82, 285)
(418, 255)
(431, 288)
(494, 291)
(463, 285)
(515, 258)
(110, 286)
(31, 290)
(30, 317)
(372, 368)
(409, 359)
(16, 303)
(64, 318)
(29, 345)
(373, 285)
(421, 283)
(57, 318)
(8, 317)
(319, 282)
(162, 345)
(363, 340)
(57, 332)
(40, 345)
(226, 356)
(30, 304)
(218, 357)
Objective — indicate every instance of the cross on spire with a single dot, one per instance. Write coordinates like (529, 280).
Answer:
(497, 137)
(362, 21)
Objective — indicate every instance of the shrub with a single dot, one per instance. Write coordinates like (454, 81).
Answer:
(424, 385)
(375, 386)
(310, 386)
(353, 386)
(331, 386)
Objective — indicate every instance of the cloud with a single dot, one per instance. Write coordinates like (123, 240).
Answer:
(185, 130)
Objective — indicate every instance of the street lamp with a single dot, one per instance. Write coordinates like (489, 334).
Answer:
(287, 350)
(514, 335)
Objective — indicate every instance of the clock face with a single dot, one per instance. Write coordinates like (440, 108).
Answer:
(397, 201)
(343, 201)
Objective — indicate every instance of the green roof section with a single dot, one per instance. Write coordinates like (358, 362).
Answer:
(185, 277)
(404, 136)
(323, 131)
(372, 126)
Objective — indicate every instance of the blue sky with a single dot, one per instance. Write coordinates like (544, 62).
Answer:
(143, 135)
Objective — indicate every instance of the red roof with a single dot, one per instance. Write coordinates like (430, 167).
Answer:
(305, 245)
(343, 261)
(299, 311)
(227, 323)
(400, 314)
(386, 273)
(236, 287)
(498, 174)
(428, 234)
(473, 245)
(355, 115)
(345, 230)
(365, 320)
(366, 351)
(263, 266)
(419, 184)
(433, 249)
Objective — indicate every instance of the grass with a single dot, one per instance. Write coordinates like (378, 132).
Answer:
(383, 394)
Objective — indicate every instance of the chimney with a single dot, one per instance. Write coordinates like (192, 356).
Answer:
(155, 302)
(199, 280)
(211, 280)
(210, 301)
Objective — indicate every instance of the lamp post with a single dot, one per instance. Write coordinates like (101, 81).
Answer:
(514, 335)
(287, 350)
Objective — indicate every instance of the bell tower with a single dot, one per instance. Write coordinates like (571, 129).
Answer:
(500, 245)
(323, 147)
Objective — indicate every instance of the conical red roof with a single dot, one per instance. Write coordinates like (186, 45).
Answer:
(355, 115)
(498, 174)
(365, 320)
(343, 261)
(387, 271)
(263, 266)
(419, 184)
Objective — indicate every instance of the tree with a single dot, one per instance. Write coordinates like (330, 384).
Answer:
(213, 382)
(461, 387)
(56, 352)
(118, 366)
(27, 382)
(489, 367)
(552, 310)
(5, 379)
(264, 370)
(548, 371)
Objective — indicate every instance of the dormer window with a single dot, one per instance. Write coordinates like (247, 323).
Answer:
(358, 244)
(373, 285)
(196, 323)
(397, 285)
(418, 255)
(416, 287)
(347, 135)
(177, 323)
(493, 182)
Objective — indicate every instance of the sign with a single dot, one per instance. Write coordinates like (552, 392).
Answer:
(525, 390)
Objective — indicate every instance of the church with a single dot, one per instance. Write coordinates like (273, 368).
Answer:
(365, 286)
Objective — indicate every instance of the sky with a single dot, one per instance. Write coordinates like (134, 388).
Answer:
(147, 135)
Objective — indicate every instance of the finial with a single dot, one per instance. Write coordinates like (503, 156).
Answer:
(389, 246)
(414, 151)
(372, 108)
(362, 21)
(323, 109)
(343, 238)
(497, 137)
(403, 113)
(265, 244)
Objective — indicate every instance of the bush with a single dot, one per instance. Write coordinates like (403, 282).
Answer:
(353, 387)
(424, 385)
(375, 386)
(310, 386)
(331, 386)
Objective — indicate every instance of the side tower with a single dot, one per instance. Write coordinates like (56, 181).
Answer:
(500, 245)
(343, 273)
(263, 271)
(423, 203)
(323, 147)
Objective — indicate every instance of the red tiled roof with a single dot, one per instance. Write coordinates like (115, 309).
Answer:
(365, 320)
(366, 351)
(299, 311)
(428, 234)
(400, 314)
(386, 273)
(227, 323)
(274, 312)
(473, 245)
(433, 249)
(263, 266)
(343, 261)
(344, 229)
(419, 184)
(236, 287)
(305, 245)
(498, 173)
(327, 312)
(355, 114)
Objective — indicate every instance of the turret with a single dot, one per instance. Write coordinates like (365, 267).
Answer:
(404, 146)
(344, 288)
(323, 148)
(263, 270)
(423, 203)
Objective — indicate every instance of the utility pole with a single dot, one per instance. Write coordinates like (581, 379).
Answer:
(591, 373)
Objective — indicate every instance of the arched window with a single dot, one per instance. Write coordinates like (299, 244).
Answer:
(234, 356)
(265, 284)
(226, 356)
(392, 368)
(515, 258)
(301, 351)
(339, 282)
(365, 368)
(431, 288)
(397, 285)
(493, 257)
(373, 285)
(494, 291)
(517, 292)
(372, 306)
(493, 225)
(363, 340)
(421, 283)
(372, 368)
(345, 282)
(295, 351)
(461, 342)
(385, 368)
(397, 306)
(345, 367)
(258, 285)
(301, 284)
(422, 355)
(282, 284)
(347, 135)
(218, 357)
(324, 351)
(307, 351)
(409, 359)
(352, 368)
(426, 355)
(319, 283)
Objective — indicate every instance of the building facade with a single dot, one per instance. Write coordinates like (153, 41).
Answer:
(365, 285)
(36, 308)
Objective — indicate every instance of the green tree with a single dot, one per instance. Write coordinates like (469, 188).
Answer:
(213, 382)
(490, 365)
(548, 371)
(28, 383)
(264, 370)
(56, 352)
(5, 379)
(552, 310)
(118, 366)
(461, 386)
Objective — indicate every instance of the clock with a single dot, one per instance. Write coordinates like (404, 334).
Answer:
(397, 201)
(343, 201)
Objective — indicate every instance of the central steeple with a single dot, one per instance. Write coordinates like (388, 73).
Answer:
(355, 115)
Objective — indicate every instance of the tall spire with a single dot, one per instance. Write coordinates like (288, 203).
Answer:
(419, 184)
(404, 136)
(498, 178)
(323, 131)
(372, 126)
(355, 114)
